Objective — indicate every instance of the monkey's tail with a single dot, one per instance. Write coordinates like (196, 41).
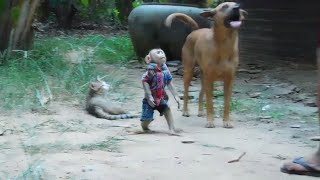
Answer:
(182, 17)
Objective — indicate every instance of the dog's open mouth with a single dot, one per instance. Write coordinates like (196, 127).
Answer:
(235, 24)
(234, 20)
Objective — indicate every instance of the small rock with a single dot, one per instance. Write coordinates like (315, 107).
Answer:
(265, 117)
(297, 90)
(310, 103)
(190, 96)
(194, 89)
(268, 121)
(279, 157)
(187, 141)
(254, 95)
(295, 137)
(270, 130)
(266, 107)
(219, 88)
(315, 138)
(173, 63)
(252, 71)
(295, 126)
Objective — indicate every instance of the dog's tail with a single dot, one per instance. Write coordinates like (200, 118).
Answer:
(182, 17)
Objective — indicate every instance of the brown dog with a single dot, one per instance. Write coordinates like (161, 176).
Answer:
(215, 50)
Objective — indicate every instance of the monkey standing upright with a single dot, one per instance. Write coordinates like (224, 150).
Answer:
(154, 81)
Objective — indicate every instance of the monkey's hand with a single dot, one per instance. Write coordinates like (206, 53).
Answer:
(151, 101)
(148, 95)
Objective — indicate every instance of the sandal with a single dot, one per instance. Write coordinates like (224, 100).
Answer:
(310, 171)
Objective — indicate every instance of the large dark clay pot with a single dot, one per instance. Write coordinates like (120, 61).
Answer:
(147, 29)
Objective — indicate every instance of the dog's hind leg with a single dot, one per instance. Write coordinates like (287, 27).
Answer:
(201, 94)
(228, 85)
(188, 65)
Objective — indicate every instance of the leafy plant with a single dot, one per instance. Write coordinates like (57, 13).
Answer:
(137, 3)
(64, 65)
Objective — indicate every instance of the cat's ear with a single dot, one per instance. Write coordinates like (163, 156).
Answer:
(98, 78)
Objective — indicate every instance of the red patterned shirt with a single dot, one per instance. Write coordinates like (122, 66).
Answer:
(157, 78)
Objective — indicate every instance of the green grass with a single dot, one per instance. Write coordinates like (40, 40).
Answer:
(110, 144)
(34, 171)
(46, 70)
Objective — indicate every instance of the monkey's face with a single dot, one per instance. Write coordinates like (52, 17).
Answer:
(158, 56)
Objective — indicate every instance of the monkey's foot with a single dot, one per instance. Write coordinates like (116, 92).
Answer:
(148, 131)
(178, 130)
(173, 133)
(145, 132)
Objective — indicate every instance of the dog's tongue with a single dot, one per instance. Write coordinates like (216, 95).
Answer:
(235, 24)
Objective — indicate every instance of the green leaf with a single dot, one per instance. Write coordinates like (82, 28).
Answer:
(15, 13)
(2, 6)
(137, 3)
(85, 2)
(54, 3)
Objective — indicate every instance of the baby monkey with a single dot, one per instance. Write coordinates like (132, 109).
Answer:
(154, 81)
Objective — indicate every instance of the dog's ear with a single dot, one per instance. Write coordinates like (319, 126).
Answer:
(243, 14)
(147, 59)
(208, 13)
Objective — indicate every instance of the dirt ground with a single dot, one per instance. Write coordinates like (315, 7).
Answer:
(273, 110)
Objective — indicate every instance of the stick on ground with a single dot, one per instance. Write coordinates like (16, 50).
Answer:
(237, 160)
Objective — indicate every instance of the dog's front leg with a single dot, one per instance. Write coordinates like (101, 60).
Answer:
(228, 85)
(208, 87)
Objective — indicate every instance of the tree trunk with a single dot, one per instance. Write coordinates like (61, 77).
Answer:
(44, 11)
(65, 11)
(6, 24)
(23, 33)
(15, 26)
(124, 7)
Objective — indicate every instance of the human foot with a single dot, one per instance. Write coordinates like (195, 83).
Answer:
(309, 166)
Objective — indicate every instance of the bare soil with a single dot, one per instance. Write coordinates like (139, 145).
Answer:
(65, 142)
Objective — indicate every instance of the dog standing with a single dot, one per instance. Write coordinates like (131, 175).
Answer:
(216, 51)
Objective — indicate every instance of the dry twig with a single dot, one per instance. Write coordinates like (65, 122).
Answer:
(237, 160)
